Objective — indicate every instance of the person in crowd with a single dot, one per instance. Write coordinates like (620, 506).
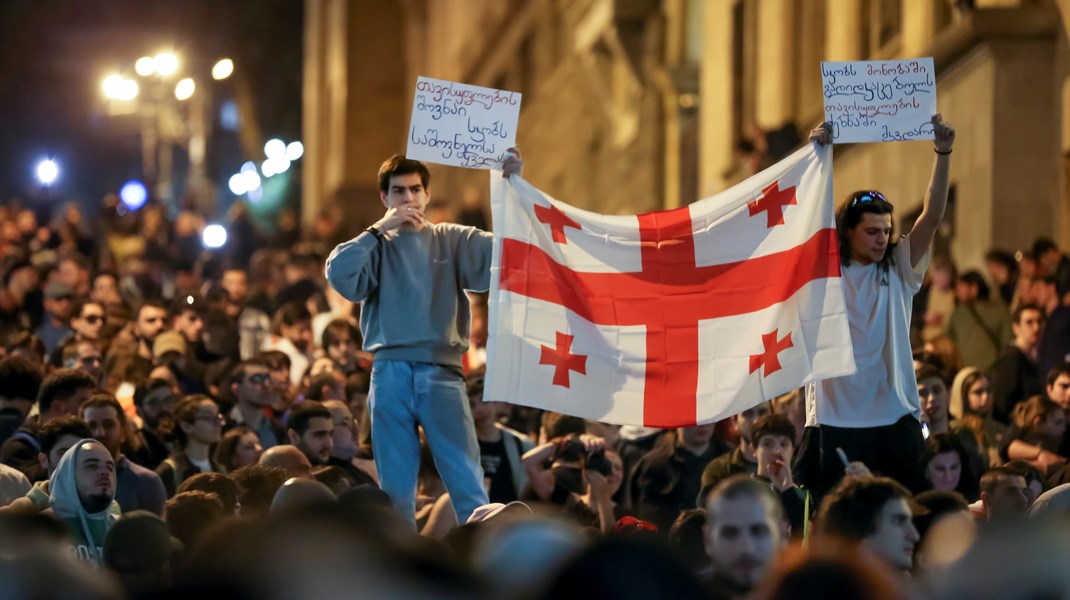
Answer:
(56, 324)
(935, 400)
(948, 466)
(418, 343)
(198, 427)
(500, 448)
(139, 551)
(873, 415)
(344, 444)
(136, 488)
(971, 413)
(1015, 375)
(311, 430)
(1054, 346)
(341, 345)
(292, 335)
(130, 357)
(745, 531)
(979, 326)
(239, 448)
(84, 355)
(250, 383)
(288, 458)
(20, 378)
(81, 491)
(774, 445)
(936, 300)
(874, 512)
(87, 320)
(219, 484)
(1002, 271)
(154, 401)
(62, 392)
(742, 459)
(1036, 481)
(1004, 495)
(1037, 434)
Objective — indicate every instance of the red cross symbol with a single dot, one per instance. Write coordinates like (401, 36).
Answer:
(770, 356)
(557, 221)
(772, 202)
(562, 359)
(669, 297)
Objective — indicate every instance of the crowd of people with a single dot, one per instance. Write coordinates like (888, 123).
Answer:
(304, 417)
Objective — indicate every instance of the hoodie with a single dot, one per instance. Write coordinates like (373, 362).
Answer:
(87, 530)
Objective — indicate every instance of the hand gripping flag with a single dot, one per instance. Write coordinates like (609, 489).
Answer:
(670, 318)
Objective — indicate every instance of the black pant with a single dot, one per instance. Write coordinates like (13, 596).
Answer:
(891, 450)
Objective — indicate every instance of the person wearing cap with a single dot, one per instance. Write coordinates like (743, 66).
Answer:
(171, 349)
(876, 513)
(56, 324)
(81, 491)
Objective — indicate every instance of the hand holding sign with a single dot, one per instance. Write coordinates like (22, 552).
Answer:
(462, 125)
(880, 101)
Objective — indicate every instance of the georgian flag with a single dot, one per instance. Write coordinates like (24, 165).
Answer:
(671, 318)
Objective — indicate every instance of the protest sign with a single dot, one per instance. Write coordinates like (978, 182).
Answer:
(880, 100)
(462, 125)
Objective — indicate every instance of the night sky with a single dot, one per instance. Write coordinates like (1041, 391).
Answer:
(55, 53)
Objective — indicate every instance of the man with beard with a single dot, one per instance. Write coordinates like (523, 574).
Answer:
(344, 442)
(745, 529)
(311, 430)
(130, 357)
(80, 494)
(155, 401)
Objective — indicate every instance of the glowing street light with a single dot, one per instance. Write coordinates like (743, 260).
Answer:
(294, 150)
(275, 148)
(117, 87)
(47, 171)
(185, 89)
(133, 194)
(145, 66)
(223, 69)
(166, 63)
(214, 236)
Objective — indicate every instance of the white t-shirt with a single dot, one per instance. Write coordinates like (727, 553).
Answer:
(878, 311)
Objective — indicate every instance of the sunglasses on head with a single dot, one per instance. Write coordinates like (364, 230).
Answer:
(864, 197)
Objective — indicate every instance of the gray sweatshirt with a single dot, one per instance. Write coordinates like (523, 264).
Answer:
(411, 289)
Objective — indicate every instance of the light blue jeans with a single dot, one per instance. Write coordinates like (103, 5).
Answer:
(406, 394)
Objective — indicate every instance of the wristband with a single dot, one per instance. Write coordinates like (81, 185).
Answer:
(375, 231)
(942, 153)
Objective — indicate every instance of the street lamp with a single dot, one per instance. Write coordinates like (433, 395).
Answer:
(145, 66)
(47, 172)
(165, 63)
(185, 89)
(117, 87)
(223, 69)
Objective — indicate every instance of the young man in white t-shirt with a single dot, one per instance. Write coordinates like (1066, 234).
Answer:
(874, 414)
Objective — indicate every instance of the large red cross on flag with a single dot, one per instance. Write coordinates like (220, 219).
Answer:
(670, 318)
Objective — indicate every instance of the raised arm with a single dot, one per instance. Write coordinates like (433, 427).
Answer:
(932, 211)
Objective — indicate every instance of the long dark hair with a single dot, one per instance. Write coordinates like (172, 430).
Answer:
(849, 214)
(942, 443)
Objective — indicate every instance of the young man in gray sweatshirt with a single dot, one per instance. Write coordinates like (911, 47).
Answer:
(410, 277)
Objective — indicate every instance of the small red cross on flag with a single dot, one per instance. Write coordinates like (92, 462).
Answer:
(557, 221)
(770, 356)
(772, 202)
(562, 360)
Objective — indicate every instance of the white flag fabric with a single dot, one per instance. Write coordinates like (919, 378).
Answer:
(671, 318)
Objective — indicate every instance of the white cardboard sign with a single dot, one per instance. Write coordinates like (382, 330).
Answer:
(462, 125)
(879, 100)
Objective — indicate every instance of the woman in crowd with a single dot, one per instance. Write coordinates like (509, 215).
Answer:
(199, 426)
(240, 447)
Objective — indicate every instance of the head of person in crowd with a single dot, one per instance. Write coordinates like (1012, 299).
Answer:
(299, 494)
(745, 530)
(219, 484)
(87, 319)
(187, 318)
(258, 484)
(866, 230)
(935, 399)
(971, 394)
(1041, 421)
(404, 182)
(287, 458)
(695, 438)
(197, 420)
(340, 342)
(250, 383)
(170, 349)
(62, 392)
(1004, 494)
(59, 298)
(293, 322)
(56, 437)
(106, 289)
(830, 569)
(239, 447)
(947, 465)
(155, 401)
(1058, 385)
(311, 429)
(20, 380)
(278, 366)
(971, 287)
(327, 385)
(139, 550)
(1045, 293)
(344, 437)
(773, 442)
(555, 425)
(1027, 326)
(84, 355)
(26, 345)
(358, 384)
(1047, 255)
(793, 406)
(938, 505)
(190, 514)
(73, 271)
(1001, 266)
(150, 321)
(687, 539)
(235, 283)
(876, 513)
(1036, 481)
(745, 421)
(81, 491)
(107, 422)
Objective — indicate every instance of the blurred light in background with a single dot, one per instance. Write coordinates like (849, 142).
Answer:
(184, 89)
(275, 148)
(256, 194)
(237, 184)
(165, 63)
(133, 194)
(214, 236)
(47, 171)
(222, 69)
(229, 118)
(117, 87)
(251, 179)
(294, 150)
(145, 66)
(248, 166)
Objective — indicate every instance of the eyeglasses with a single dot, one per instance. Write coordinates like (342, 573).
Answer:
(216, 417)
(864, 197)
(259, 378)
(94, 319)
